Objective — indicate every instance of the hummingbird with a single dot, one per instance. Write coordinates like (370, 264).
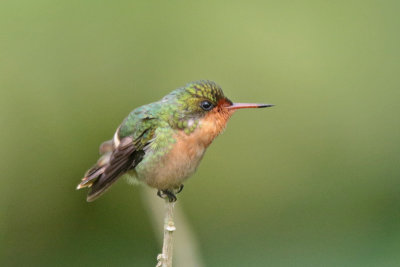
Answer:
(162, 143)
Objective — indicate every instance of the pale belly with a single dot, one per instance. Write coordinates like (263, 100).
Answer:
(170, 169)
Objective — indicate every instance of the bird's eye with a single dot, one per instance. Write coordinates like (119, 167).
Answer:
(206, 105)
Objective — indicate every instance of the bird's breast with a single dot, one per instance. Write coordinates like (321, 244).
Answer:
(169, 169)
(173, 157)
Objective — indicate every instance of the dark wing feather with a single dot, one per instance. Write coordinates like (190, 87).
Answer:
(124, 158)
(133, 136)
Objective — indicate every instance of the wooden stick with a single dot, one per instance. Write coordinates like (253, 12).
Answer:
(165, 258)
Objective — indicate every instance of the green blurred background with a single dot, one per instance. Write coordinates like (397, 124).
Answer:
(313, 181)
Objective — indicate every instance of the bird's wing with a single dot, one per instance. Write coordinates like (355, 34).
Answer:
(128, 152)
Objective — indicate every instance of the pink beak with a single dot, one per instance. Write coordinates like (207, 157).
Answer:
(248, 105)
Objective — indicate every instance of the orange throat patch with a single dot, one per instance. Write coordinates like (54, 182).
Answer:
(212, 125)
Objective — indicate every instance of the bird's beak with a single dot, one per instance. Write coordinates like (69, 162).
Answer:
(248, 105)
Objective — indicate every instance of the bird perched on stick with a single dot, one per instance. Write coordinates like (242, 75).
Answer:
(162, 143)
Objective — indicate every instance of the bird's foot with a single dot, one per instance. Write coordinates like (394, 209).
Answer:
(167, 194)
(170, 194)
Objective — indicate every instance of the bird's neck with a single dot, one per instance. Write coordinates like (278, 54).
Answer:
(204, 130)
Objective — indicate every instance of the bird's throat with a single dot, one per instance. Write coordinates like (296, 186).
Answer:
(210, 126)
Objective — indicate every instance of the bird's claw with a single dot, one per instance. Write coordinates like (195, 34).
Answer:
(179, 189)
(170, 194)
(167, 194)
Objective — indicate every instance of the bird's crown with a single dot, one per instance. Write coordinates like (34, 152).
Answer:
(198, 97)
(205, 89)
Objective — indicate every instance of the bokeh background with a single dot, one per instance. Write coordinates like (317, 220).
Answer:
(313, 181)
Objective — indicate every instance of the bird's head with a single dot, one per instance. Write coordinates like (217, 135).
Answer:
(204, 101)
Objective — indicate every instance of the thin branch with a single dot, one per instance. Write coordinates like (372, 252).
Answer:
(165, 258)
(186, 246)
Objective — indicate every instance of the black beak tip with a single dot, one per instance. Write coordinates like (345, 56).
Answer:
(266, 105)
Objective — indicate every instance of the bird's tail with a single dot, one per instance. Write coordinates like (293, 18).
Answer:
(98, 169)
